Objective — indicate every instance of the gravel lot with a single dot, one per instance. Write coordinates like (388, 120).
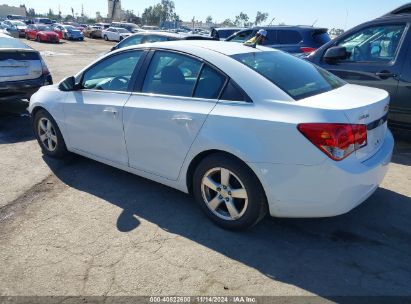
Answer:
(77, 227)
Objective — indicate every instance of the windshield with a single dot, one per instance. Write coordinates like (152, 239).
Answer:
(123, 31)
(70, 27)
(298, 78)
(18, 23)
(7, 43)
(44, 28)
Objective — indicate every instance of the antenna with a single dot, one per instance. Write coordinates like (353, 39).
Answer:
(315, 22)
(271, 21)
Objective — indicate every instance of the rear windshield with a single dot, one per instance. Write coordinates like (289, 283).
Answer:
(11, 43)
(321, 37)
(297, 77)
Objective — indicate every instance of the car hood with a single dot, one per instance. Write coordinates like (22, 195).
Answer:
(21, 27)
(48, 33)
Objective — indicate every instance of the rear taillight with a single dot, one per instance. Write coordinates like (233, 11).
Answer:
(307, 49)
(45, 69)
(337, 141)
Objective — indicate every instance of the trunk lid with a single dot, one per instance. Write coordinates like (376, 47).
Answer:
(17, 65)
(361, 105)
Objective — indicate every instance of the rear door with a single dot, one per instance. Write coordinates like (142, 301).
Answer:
(376, 55)
(163, 118)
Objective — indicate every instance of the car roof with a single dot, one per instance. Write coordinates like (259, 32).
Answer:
(276, 27)
(222, 47)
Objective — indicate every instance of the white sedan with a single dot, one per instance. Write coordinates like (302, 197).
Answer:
(244, 130)
(115, 34)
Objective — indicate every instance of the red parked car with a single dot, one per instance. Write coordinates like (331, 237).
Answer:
(41, 33)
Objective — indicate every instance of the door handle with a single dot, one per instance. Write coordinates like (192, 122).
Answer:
(385, 74)
(110, 111)
(182, 119)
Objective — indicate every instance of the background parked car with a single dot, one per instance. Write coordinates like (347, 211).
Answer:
(41, 33)
(376, 54)
(69, 32)
(43, 21)
(15, 17)
(22, 70)
(131, 27)
(155, 36)
(20, 25)
(115, 34)
(93, 31)
(291, 39)
(103, 25)
(224, 32)
(11, 31)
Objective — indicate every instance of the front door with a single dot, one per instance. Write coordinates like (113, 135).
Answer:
(162, 121)
(375, 57)
(94, 113)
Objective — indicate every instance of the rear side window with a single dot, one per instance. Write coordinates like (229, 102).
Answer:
(172, 74)
(209, 84)
(298, 78)
(233, 93)
(289, 37)
(271, 37)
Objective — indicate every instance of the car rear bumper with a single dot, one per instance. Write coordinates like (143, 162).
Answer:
(326, 190)
(23, 89)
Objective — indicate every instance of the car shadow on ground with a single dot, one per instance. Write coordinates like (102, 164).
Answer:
(15, 124)
(365, 252)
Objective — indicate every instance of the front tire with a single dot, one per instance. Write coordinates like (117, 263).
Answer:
(48, 135)
(229, 193)
(38, 39)
(105, 38)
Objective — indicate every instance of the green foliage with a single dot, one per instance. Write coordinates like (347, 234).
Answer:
(260, 18)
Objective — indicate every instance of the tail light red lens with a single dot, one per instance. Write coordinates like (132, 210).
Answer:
(307, 49)
(337, 141)
(45, 69)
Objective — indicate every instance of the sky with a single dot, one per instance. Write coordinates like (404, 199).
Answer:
(339, 14)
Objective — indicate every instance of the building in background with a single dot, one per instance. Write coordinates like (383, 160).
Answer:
(115, 13)
(6, 10)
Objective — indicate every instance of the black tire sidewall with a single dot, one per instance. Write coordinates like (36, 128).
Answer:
(61, 145)
(257, 205)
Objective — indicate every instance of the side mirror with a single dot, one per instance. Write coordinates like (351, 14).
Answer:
(68, 84)
(113, 48)
(336, 53)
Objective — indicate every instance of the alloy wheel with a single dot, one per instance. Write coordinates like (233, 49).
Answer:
(47, 134)
(224, 194)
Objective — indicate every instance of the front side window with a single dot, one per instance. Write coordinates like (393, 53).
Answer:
(242, 36)
(113, 73)
(172, 74)
(374, 44)
(298, 78)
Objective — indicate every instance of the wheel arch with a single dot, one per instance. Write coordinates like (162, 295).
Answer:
(204, 154)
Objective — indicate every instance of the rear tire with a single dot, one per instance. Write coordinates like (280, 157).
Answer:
(48, 135)
(38, 39)
(229, 192)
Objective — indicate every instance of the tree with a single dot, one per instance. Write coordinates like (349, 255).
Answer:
(260, 18)
(241, 19)
(164, 11)
(31, 12)
(209, 20)
(68, 18)
(228, 22)
(50, 14)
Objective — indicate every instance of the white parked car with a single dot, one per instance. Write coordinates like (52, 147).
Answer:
(245, 130)
(115, 34)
